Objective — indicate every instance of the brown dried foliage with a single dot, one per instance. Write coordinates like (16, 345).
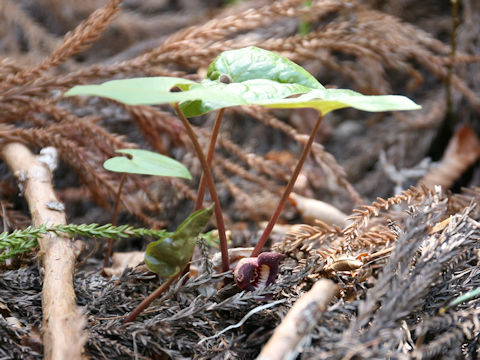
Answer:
(351, 45)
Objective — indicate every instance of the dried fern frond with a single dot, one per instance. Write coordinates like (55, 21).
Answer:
(325, 160)
(179, 48)
(81, 38)
(305, 238)
(362, 215)
(39, 41)
(417, 263)
(431, 115)
(458, 202)
(245, 204)
(240, 171)
(451, 331)
(155, 124)
(255, 161)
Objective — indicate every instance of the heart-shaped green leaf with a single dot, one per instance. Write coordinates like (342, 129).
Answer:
(254, 63)
(171, 254)
(249, 76)
(146, 163)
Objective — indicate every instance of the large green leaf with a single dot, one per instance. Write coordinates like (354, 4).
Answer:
(143, 91)
(332, 99)
(249, 76)
(171, 254)
(254, 63)
(197, 99)
(234, 94)
(146, 163)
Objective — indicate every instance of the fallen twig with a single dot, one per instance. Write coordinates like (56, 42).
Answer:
(299, 321)
(63, 335)
(312, 210)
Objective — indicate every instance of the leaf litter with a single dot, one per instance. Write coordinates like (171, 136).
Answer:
(389, 307)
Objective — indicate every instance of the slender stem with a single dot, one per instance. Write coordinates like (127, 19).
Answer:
(453, 48)
(114, 219)
(211, 149)
(287, 191)
(148, 300)
(211, 187)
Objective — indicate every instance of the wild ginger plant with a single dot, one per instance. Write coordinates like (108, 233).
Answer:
(248, 76)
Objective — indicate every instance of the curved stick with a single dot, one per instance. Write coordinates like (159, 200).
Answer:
(298, 323)
(63, 322)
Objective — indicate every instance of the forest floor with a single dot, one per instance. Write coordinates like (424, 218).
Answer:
(406, 186)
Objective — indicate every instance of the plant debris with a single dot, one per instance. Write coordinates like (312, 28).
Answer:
(402, 255)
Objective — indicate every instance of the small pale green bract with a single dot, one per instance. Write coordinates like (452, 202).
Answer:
(171, 254)
(146, 162)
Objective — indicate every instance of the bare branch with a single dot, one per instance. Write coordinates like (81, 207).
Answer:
(63, 334)
(299, 321)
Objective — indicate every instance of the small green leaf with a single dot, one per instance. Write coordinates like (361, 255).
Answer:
(146, 163)
(254, 63)
(171, 254)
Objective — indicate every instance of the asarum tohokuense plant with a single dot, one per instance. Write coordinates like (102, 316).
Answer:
(248, 76)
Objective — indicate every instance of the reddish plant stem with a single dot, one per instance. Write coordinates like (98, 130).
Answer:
(271, 223)
(211, 187)
(203, 184)
(211, 149)
(148, 300)
(114, 219)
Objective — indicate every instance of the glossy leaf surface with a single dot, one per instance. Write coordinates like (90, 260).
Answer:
(146, 163)
(171, 254)
(254, 63)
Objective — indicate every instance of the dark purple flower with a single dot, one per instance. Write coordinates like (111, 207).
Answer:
(253, 273)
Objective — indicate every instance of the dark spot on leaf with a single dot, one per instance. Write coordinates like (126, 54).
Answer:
(225, 79)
